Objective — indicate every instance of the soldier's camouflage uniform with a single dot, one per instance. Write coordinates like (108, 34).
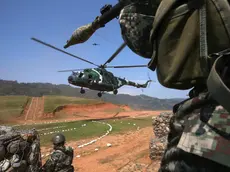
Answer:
(199, 138)
(19, 150)
(60, 160)
(204, 134)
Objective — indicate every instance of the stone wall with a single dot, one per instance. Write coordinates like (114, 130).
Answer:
(160, 130)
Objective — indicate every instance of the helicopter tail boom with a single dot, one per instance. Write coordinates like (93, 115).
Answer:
(137, 85)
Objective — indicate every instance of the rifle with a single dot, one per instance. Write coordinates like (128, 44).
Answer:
(108, 13)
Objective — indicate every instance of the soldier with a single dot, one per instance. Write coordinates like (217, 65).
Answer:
(61, 158)
(183, 54)
(189, 47)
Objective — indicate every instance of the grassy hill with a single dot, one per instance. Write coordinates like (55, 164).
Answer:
(52, 102)
(12, 106)
(39, 89)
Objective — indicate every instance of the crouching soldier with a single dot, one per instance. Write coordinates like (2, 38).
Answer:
(62, 157)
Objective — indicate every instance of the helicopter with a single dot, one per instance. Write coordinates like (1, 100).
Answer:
(95, 44)
(98, 78)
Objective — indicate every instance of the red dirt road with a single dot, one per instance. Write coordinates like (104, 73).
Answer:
(129, 152)
(35, 109)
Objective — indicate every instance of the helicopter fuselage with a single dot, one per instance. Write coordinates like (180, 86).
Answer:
(92, 85)
(101, 80)
(96, 79)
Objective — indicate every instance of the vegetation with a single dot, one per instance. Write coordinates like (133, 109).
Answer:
(39, 89)
(12, 106)
(90, 129)
(52, 102)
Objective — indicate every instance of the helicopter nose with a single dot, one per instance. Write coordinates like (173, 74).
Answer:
(70, 78)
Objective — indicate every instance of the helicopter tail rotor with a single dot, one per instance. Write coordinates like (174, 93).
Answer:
(150, 81)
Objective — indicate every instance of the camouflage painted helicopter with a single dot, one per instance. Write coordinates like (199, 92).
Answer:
(98, 78)
(95, 44)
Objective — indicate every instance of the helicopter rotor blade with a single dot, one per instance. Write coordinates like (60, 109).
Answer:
(70, 70)
(122, 46)
(51, 46)
(126, 66)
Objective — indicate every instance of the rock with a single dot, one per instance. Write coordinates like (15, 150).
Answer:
(161, 124)
(161, 130)
(109, 145)
(157, 147)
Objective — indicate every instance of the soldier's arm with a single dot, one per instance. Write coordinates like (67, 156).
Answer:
(70, 152)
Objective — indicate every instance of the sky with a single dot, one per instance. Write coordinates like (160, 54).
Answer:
(53, 22)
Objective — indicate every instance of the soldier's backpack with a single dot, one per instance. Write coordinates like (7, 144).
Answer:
(178, 24)
(176, 42)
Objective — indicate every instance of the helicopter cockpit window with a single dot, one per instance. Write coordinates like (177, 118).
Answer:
(76, 73)
(80, 75)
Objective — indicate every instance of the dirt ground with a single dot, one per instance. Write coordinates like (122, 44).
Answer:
(128, 152)
(34, 112)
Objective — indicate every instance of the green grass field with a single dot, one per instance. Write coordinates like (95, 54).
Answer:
(12, 106)
(90, 130)
(52, 102)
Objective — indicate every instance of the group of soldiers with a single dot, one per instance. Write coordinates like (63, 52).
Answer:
(187, 42)
(20, 152)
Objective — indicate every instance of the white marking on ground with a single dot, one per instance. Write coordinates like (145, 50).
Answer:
(91, 142)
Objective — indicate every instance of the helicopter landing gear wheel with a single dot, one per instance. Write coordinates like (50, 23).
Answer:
(99, 94)
(115, 92)
(82, 91)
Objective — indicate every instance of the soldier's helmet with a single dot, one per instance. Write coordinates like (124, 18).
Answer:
(58, 139)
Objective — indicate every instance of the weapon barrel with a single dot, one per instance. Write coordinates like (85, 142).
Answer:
(83, 33)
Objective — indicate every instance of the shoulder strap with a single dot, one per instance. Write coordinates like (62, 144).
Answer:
(203, 38)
